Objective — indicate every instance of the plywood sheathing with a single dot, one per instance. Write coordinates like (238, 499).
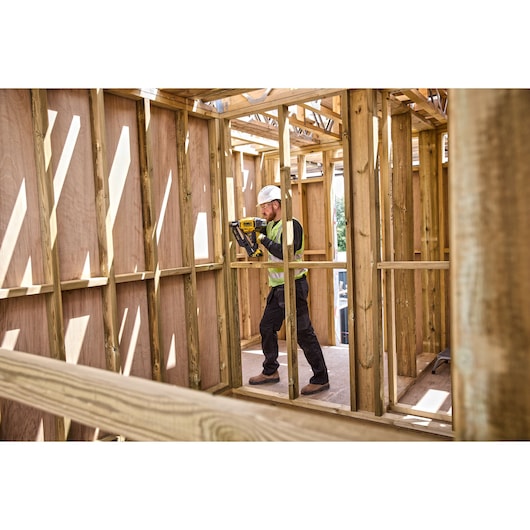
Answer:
(163, 213)
(106, 257)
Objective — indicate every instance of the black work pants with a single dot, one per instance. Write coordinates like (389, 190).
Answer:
(271, 322)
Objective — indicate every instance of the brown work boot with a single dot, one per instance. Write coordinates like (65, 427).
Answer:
(314, 389)
(261, 379)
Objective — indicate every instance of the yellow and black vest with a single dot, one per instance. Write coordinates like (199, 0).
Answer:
(276, 277)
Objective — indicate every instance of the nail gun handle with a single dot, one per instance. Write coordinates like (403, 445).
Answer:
(247, 240)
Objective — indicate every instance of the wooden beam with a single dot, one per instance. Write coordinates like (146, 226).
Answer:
(239, 136)
(365, 241)
(218, 223)
(166, 100)
(350, 255)
(443, 223)
(430, 239)
(48, 234)
(413, 265)
(143, 111)
(209, 94)
(314, 128)
(323, 111)
(424, 104)
(318, 148)
(229, 255)
(328, 168)
(288, 252)
(271, 132)
(244, 284)
(388, 281)
(104, 230)
(403, 244)
(490, 253)
(188, 253)
(143, 410)
(240, 106)
(14, 292)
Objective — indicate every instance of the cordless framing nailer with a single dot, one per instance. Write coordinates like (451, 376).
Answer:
(245, 233)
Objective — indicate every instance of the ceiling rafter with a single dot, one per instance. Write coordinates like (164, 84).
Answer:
(315, 119)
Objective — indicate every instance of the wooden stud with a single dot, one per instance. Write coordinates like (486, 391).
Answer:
(188, 254)
(104, 229)
(442, 223)
(404, 243)
(218, 246)
(379, 369)
(288, 251)
(490, 253)
(365, 240)
(350, 254)
(230, 274)
(328, 166)
(48, 228)
(430, 240)
(388, 243)
(263, 170)
(244, 288)
(151, 249)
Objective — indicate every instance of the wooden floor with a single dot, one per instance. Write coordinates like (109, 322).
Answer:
(428, 392)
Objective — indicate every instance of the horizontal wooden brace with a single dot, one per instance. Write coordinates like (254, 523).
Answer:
(292, 265)
(144, 410)
(413, 265)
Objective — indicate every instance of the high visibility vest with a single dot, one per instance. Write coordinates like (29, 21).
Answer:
(276, 276)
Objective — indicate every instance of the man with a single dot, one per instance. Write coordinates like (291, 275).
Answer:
(269, 200)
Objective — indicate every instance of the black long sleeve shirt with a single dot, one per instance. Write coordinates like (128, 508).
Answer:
(276, 249)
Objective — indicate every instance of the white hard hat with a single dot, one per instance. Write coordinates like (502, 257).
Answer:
(269, 193)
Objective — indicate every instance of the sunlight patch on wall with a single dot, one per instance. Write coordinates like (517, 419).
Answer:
(163, 207)
(66, 157)
(122, 325)
(40, 432)
(74, 337)
(133, 341)
(27, 278)
(118, 173)
(200, 236)
(172, 354)
(246, 174)
(12, 233)
(10, 339)
(52, 115)
(85, 273)
(244, 188)
(230, 198)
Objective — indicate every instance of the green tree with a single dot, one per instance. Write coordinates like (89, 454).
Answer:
(341, 224)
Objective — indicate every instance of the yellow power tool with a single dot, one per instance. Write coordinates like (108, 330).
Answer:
(244, 231)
